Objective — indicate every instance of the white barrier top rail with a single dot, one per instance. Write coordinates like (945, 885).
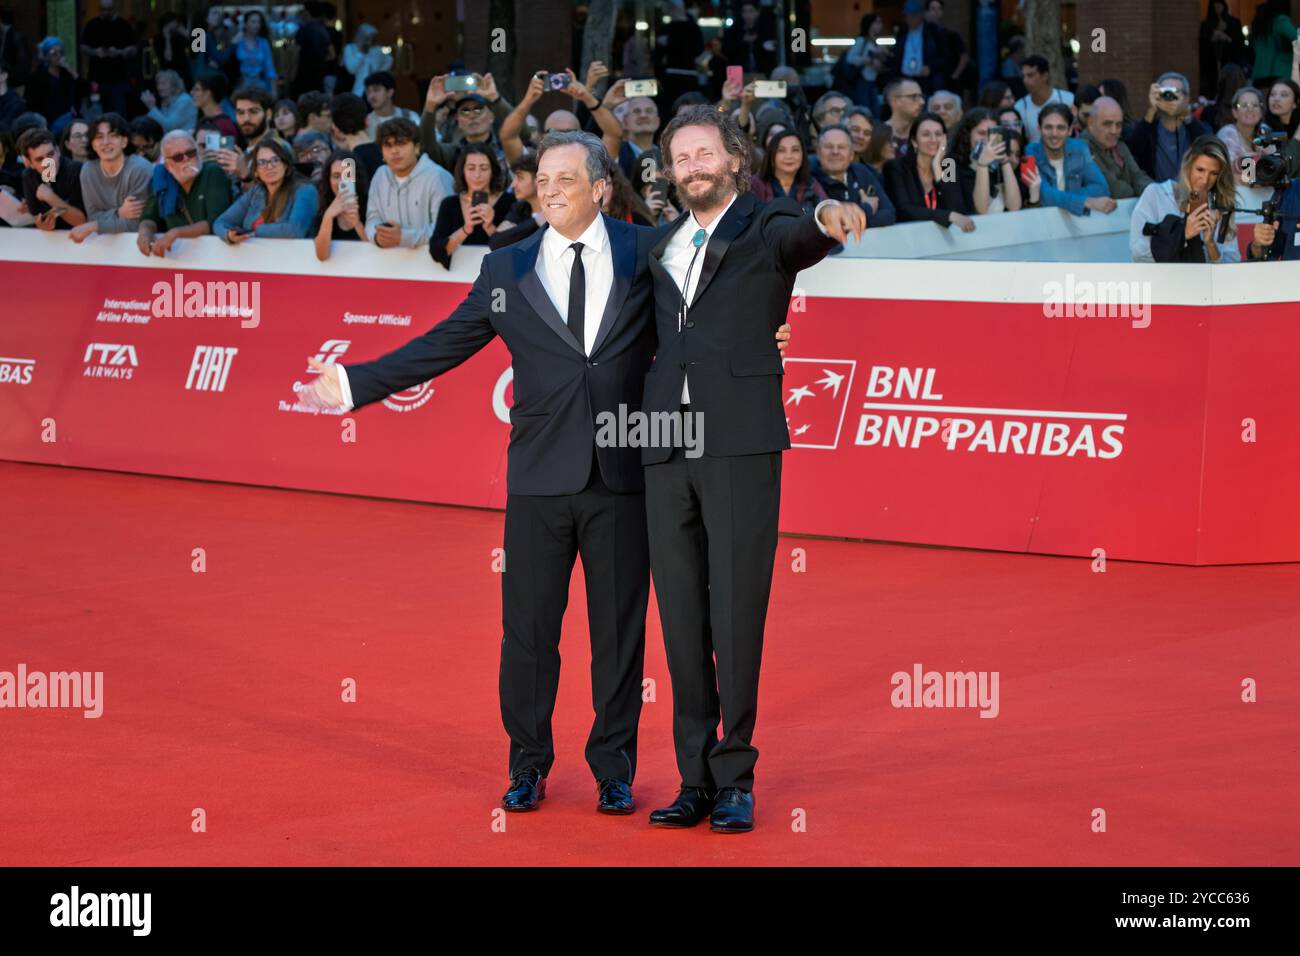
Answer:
(843, 276)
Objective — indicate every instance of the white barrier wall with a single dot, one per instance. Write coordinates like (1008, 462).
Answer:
(852, 274)
(1030, 235)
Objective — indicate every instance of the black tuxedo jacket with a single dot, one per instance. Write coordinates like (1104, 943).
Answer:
(728, 341)
(558, 390)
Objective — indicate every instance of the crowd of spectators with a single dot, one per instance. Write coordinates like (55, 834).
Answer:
(228, 142)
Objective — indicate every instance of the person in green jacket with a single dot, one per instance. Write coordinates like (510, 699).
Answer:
(1271, 36)
(187, 197)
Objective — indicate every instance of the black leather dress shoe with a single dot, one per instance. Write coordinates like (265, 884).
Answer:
(733, 811)
(615, 796)
(691, 806)
(527, 789)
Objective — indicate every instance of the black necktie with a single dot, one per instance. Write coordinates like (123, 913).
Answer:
(577, 296)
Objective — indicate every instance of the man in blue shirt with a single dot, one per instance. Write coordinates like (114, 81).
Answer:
(1160, 139)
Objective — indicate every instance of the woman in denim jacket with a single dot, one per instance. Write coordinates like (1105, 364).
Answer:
(1081, 187)
(280, 204)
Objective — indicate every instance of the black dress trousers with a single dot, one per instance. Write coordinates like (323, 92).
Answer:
(713, 533)
(543, 536)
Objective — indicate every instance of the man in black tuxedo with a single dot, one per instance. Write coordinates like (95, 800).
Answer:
(578, 324)
(723, 275)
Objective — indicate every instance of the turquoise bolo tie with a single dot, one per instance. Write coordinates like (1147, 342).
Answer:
(698, 240)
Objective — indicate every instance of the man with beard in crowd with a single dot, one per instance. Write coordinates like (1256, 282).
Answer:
(188, 196)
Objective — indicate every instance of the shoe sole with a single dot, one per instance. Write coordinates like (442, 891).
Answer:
(614, 812)
(675, 826)
(731, 829)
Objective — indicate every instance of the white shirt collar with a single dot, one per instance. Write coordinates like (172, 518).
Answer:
(595, 237)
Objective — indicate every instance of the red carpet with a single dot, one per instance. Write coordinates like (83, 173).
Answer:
(1119, 691)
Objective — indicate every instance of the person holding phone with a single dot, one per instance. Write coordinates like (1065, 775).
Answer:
(477, 112)
(655, 189)
(984, 171)
(406, 192)
(1071, 180)
(561, 121)
(1190, 218)
(480, 204)
(51, 184)
(281, 203)
(344, 188)
(188, 196)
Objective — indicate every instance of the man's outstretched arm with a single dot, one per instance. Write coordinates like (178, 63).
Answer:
(453, 340)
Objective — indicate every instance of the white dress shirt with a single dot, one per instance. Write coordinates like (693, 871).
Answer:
(554, 266)
(677, 257)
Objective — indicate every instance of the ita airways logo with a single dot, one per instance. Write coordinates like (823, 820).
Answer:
(110, 360)
(816, 398)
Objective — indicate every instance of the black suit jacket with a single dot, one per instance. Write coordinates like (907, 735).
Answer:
(908, 192)
(558, 390)
(729, 339)
(1142, 141)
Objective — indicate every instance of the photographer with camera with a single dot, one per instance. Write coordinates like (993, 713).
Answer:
(1161, 138)
(1274, 241)
(1274, 238)
(562, 121)
(1189, 219)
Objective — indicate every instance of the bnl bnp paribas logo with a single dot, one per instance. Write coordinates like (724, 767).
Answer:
(904, 408)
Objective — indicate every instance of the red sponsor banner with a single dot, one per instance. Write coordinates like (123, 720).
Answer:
(974, 424)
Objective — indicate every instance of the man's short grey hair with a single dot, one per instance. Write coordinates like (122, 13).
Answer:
(176, 134)
(824, 101)
(599, 165)
(949, 94)
(1175, 75)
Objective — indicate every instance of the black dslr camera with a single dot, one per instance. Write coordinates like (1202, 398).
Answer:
(1270, 168)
